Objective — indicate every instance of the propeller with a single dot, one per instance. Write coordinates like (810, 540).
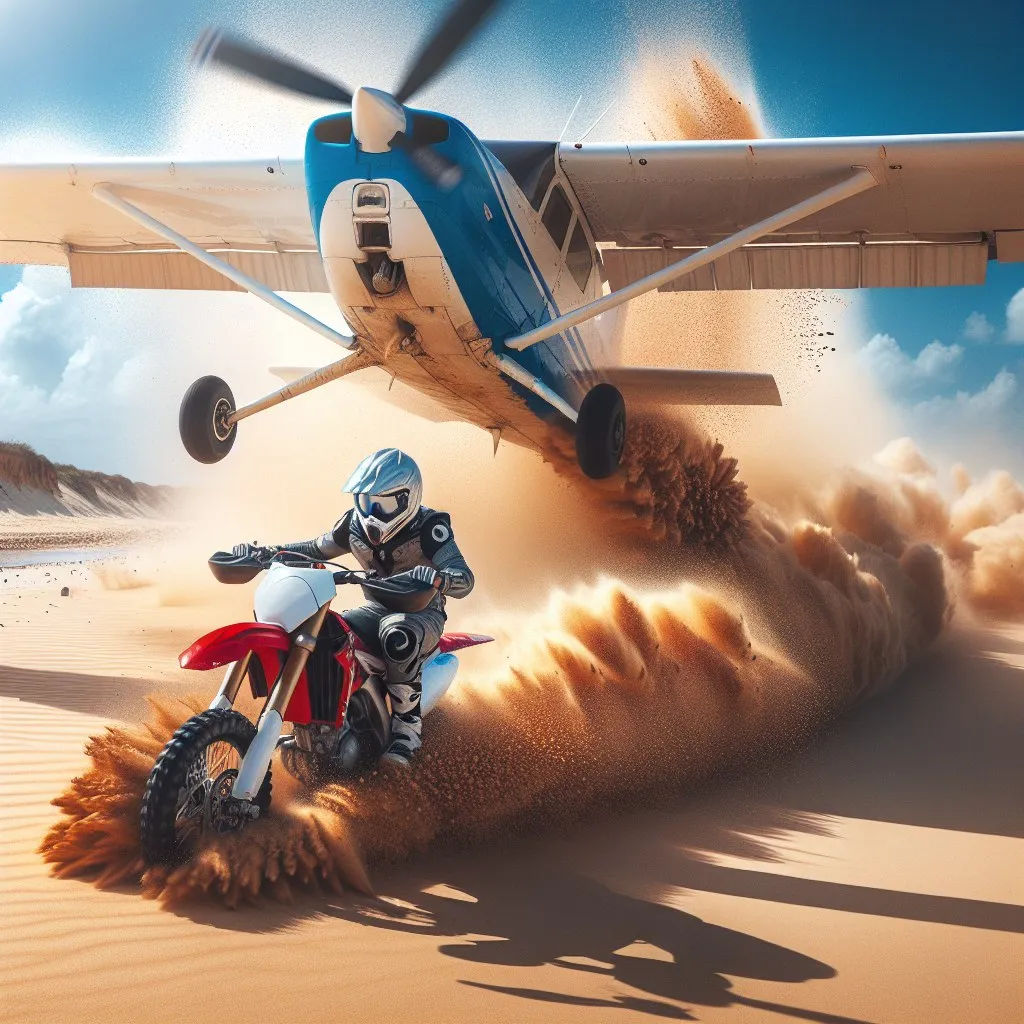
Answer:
(462, 19)
(439, 169)
(215, 46)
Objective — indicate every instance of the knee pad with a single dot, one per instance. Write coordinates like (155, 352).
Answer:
(401, 647)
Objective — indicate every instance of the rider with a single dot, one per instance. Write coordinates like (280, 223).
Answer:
(390, 533)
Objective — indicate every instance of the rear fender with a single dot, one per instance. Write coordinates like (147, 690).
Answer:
(451, 642)
(229, 643)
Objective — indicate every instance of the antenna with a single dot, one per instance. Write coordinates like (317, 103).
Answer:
(596, 123)
(568, 120)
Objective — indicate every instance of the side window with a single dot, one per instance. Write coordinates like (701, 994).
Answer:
(557, 215)
(578, 258)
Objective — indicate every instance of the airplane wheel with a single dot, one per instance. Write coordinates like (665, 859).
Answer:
(601, 431)
(202, 420)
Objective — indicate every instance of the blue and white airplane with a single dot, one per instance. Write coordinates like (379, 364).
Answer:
(489, 276)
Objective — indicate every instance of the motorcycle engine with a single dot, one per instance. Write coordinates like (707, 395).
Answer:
(319, 739)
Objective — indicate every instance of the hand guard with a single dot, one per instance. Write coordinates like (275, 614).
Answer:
(424, 573)
(260, 553)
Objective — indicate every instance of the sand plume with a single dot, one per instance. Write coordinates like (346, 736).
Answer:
(694, 101)
(611, 698)
(675, 485)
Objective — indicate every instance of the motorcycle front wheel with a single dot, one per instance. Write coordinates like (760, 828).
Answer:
(189, 790)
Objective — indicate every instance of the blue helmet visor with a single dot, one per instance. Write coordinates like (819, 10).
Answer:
(383, 506)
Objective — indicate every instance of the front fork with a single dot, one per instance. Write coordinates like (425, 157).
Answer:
(228, 691)
(268, 731)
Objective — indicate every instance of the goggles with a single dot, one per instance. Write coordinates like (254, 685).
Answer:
(382, 506)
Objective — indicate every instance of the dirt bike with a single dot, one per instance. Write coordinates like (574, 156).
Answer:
(214, 774)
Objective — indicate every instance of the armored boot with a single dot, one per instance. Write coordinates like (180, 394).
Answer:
(401, 639)
(406, 721)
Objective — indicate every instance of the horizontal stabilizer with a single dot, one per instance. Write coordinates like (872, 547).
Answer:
(693, 387)
(290, 373)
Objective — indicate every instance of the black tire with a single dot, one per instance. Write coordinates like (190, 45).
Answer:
(601, 431)
(205, 435)
(160, 839)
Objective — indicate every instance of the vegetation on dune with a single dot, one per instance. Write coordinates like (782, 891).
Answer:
(22, 466)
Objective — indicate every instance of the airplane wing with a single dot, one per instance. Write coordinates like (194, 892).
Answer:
(251, 213)
(943, 206)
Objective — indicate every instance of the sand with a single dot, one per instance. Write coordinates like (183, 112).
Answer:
(874, 877)
(42, 532)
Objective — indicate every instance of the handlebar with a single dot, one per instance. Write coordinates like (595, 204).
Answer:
(397, 594)
(228, 567)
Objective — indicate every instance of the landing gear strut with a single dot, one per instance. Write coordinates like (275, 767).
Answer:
(601, 431)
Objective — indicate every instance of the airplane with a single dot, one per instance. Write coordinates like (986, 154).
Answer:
(489, 276)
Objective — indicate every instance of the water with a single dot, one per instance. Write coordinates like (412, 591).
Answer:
(58, 556)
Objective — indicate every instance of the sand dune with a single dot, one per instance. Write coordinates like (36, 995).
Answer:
(57, 506)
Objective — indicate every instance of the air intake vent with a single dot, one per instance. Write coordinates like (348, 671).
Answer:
(427, 129)
(336, 130)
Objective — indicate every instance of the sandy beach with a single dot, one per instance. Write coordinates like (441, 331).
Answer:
(62, 533)
(874, 877)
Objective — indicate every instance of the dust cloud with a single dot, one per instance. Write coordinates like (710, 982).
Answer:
(687, 626)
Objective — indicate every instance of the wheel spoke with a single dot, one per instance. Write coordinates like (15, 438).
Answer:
(196, 797)
(193, 803)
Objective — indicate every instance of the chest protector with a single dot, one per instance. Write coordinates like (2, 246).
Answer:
(415, 544)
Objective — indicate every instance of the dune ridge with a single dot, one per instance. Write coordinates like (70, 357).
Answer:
(30, 484)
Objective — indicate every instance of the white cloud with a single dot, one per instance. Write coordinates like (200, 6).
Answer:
(977, 327)
(894, 369)
(1015, 318)
(94, 377)
(980, 429)
(996, 396)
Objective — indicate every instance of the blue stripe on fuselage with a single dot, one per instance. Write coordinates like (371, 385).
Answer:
(503, 288)
(571, 336)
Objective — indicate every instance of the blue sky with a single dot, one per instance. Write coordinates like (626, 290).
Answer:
(107, 78)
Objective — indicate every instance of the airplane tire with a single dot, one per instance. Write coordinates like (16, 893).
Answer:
(201, 420)
(601, 431)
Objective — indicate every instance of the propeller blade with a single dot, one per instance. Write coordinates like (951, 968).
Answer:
(462, 19)
(442, 171)
(214, 45)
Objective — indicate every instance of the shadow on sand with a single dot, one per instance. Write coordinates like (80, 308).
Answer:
(523, 912)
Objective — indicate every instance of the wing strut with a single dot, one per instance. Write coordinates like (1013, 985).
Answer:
(860, 180)
(106, 194)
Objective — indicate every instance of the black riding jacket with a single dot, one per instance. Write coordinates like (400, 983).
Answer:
(427, 539)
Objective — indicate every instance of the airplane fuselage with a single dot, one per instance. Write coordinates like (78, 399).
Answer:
(488, 260)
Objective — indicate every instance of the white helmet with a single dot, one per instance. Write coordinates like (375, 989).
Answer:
(388, 490)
